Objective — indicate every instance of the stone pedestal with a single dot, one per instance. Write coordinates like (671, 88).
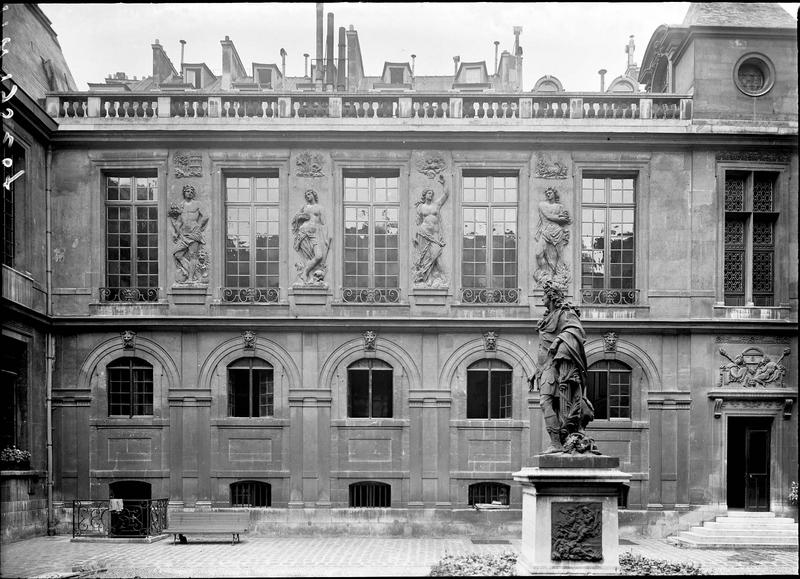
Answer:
(189, 294)
(569, 514)
(309, 295)
(428, 298)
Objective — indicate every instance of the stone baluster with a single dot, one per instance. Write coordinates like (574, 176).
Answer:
(295, 109)
(445, 110)
(195, 107)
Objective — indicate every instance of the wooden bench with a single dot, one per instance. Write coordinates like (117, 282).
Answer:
(208, 523)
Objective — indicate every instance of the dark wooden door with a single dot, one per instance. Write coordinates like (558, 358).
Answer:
(757, 461)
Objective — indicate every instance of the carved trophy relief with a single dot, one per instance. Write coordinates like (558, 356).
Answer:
(548, 169)
(550, 240)
(752, 368)
(189, 250)
(427, 270)
(310, 165)
(312, 242)
(187, 164)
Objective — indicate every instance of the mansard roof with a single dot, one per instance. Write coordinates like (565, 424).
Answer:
(738, 14)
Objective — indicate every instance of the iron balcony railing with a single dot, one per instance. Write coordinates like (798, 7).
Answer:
(473, 295)
(610, 297)
(107, 518)
(445, 107)
(250, 295)
(128, 294)
(374, 295)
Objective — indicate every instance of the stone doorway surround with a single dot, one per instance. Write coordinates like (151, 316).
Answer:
(775, 403)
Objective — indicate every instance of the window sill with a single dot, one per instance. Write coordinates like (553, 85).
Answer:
(257, 422)
(129, 422)
(751, 312)
(370, 423)
(488, 423)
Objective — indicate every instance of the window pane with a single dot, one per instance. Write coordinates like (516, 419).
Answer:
(358, 393)
(381, 393)
(238, 392)
(477, 394)
(501, 394)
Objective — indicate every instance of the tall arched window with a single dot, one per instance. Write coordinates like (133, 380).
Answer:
(251, 388)
(130, 387)
(489, 389)
(369, 389)
(609, 389)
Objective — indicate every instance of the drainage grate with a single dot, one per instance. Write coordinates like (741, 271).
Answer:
(627, 542)
(490, 542)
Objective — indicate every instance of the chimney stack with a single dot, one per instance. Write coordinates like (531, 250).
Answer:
(183, 45)
(319, 65)
(602, 72)
(305, 66)
(413, 60)
(283, 63)
(340, 76)
(329, 76)
(456, 60)
(496, 45)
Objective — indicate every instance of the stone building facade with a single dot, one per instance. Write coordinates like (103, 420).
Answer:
(320, 294)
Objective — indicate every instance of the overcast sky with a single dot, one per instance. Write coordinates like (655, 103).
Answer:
(571, 41)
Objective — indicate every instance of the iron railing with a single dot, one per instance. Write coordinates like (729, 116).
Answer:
(135, 518)
(376, 295)
(250, 295)
(129, 294)
(472, 295)
(610, 297)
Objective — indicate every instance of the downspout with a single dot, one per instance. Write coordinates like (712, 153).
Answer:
(50, 345)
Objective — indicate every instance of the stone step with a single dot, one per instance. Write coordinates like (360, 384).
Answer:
(738, 540)
(750, 514)
(736, 524)
(707, 530)
(692, 543)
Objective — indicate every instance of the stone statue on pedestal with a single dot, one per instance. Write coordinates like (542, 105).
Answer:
(561, 375)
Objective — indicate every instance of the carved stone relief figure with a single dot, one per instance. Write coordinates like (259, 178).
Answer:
(311, 241)
(428, 240)
(188, 225)
(752, 368)
(550, 239)
(249, 340)
(490, 341)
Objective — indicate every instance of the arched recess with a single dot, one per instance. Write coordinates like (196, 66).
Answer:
(165, 372)
(645, 376)
(213, 372)
(454, 370)
(334, 372)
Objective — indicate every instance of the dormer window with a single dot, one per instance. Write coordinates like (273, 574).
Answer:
(194, 77)
(264, 77)
(472, 75)
(396, 75)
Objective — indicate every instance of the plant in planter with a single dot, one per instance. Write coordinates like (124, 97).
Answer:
(13, 458)
(793, 494)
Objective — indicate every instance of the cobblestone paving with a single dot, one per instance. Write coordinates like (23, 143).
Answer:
(322, 557)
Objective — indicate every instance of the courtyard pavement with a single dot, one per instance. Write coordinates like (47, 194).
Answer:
(322, 557)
